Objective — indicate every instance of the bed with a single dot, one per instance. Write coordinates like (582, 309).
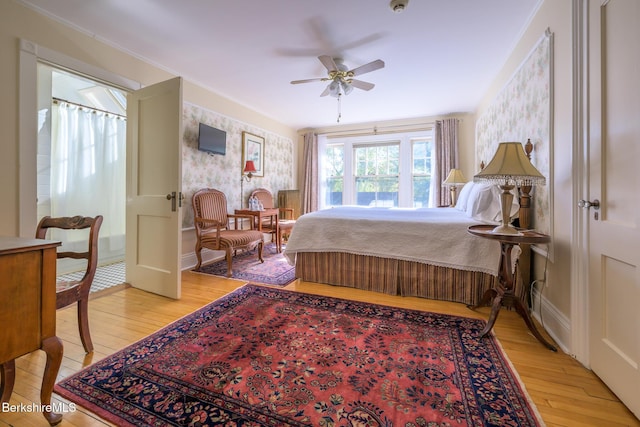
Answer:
(422, 252)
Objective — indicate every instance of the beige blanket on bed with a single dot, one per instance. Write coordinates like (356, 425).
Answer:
(432, 236)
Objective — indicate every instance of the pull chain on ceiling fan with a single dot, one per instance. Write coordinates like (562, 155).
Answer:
(341, 78)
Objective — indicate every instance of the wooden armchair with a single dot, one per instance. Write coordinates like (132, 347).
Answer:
(285, 222)
(213, 229)
(76, 291)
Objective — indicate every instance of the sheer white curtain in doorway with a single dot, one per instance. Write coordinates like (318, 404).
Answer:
(88, 168)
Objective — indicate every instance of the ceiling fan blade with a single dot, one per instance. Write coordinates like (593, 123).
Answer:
(367, 68)
(328, 62)
(295, 82)
(325, 92)
(362, 85)
(357, 43)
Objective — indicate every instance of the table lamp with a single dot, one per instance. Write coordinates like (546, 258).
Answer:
(454, 179)
(247, 173)
(509, 167)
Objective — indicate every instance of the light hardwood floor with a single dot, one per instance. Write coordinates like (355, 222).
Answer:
(565, 393)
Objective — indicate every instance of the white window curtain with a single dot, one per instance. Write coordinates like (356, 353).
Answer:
(88, 169)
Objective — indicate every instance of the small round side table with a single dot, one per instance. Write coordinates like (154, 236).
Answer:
(503, 295)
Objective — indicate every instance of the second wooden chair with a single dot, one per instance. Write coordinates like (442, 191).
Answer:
(285, 222)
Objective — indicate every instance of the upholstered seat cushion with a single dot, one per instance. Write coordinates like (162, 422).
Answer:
(286, 224)
(232, 238)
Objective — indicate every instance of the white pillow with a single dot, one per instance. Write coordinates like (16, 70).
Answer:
(484, 204)
(463, 197)
(480, 200)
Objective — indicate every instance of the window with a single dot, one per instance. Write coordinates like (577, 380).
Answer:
(421, 151)
(392, 170)
(377, 174)
(334, 173)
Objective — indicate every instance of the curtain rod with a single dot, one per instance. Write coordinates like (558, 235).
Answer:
(95, 110)
(378, 130)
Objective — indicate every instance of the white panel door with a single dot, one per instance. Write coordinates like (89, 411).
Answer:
(614, 233)
(154, 182)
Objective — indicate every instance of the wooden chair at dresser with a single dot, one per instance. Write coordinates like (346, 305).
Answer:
(285, 222)
(213, 229)
(67, 292)
(76, 291)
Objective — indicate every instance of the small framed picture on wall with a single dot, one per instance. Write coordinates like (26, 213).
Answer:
(253, 150)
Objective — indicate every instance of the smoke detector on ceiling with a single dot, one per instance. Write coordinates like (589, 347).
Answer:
(398, 5)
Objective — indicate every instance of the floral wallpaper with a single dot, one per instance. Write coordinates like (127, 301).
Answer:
(523, 110)
(203, 170)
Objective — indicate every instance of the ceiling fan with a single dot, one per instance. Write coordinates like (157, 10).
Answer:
(341, 78)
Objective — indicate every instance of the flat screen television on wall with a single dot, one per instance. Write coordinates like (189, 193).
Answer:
(212, 140)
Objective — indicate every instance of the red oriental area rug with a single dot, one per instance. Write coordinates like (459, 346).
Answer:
(268, 357)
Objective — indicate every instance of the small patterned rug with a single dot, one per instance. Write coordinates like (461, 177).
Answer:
(263, 356)
(246, 266)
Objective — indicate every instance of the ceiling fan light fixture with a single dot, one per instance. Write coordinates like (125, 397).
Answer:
(334, 88)
(346, 88)
(339, 87)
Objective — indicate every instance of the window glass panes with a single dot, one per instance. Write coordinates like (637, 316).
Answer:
(334, 173)
(377, 191)
(377, 175)
(422, 151)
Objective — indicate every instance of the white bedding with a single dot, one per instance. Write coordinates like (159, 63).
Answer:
(436, 236)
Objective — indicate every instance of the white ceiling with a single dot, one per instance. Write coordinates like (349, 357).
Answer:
(441, 55)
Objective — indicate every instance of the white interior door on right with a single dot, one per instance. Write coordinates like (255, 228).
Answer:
(614, 181)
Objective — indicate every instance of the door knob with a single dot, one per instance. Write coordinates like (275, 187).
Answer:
(172, 196)
(586, 204)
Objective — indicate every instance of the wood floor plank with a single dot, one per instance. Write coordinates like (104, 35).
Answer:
(565, 393)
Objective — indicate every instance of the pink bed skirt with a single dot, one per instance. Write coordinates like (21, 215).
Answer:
(395, 277)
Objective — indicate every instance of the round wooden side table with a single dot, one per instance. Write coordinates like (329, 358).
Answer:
(503, 295)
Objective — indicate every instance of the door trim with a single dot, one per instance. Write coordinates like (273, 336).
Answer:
(580, 230)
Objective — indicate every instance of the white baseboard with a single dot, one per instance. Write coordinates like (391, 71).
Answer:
(556, 324)
(189, 260)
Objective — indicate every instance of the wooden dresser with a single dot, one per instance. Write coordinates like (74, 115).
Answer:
(28, 311)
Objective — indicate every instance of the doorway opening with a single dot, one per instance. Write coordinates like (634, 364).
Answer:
(81, 163)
